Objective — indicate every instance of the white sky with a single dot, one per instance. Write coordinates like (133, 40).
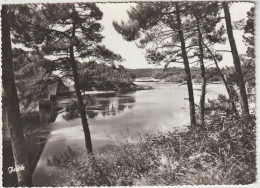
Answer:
(134, 57)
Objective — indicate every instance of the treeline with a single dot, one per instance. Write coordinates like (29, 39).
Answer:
(177, 74)
(145, 72)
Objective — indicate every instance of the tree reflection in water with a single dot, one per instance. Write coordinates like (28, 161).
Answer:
(106, 105)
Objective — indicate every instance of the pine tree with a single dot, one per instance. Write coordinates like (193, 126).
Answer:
(70, 32)
(160, 24)
(12, 103)
(207, 17)
(238, 68)
(204, 15)
(249, 59)
(186, 64)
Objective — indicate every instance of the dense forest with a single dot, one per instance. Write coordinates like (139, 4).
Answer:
(64, 41)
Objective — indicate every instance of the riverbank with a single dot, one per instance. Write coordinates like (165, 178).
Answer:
(202, 156)
(221, 152)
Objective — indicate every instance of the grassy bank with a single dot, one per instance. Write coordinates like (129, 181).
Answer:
(221, 152)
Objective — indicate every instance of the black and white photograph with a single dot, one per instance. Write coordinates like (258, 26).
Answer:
(128, 93)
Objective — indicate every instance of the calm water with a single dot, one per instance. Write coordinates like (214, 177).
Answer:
(117, 116)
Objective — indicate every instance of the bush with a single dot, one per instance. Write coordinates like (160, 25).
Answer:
(120, 165)
(215, 78)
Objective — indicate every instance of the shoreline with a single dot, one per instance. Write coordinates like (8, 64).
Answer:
(135, 88)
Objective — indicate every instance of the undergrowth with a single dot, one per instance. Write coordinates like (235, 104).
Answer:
(221, 152)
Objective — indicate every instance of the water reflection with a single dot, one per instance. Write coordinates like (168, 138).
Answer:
(106, 105)
(47, 111)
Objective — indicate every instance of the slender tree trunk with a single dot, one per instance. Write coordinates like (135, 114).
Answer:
(223, 78)
(82, 110)
(12, 103)
(239, 73)
(203, 75)
(187, 68)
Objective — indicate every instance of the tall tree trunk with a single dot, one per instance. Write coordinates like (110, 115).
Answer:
(187, 67)
(239, 73)
(82, 110)
(203, 75)
(12, 103)
(223, 78)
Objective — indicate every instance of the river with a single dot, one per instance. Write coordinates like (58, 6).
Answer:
(118, 116)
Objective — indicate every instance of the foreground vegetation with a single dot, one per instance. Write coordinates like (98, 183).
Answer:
(221, 152)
